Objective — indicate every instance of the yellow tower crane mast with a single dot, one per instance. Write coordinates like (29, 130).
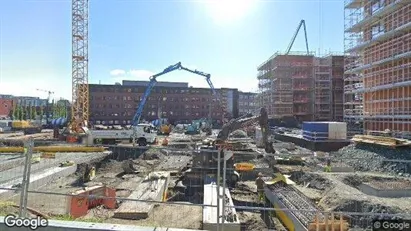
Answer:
(80, 92)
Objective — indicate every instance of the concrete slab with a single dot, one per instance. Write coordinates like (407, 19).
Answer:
(135, 210)
(210, 213)
(37, 180)
(386, 189)
(78, 158)
(320, 167)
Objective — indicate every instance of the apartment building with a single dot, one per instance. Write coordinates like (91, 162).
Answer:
(247, 102)
(117, 104)
(378, 66)
(299, 87)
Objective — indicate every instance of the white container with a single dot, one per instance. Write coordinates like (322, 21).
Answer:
(337, 130)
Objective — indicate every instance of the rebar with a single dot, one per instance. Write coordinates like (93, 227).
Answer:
(300, 206)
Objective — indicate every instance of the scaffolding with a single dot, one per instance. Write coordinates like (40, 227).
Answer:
(322, 94)
(302, 86)
(378, 65)
(286, 85)
(337, 87)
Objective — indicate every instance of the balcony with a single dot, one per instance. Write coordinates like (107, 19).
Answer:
(376, 16)
(353, 4)
(381, 38)
(380, 62)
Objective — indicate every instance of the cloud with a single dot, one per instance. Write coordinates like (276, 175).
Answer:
(144, 74)
(117, 72)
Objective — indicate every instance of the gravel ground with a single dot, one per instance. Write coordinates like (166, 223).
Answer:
(365, 157)
(335, 192)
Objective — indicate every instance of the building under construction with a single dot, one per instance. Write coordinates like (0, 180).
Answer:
(378, 66)
(298, 87)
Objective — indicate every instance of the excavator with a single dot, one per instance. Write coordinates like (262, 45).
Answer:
(205, 160)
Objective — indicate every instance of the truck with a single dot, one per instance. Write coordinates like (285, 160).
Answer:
(142, 134)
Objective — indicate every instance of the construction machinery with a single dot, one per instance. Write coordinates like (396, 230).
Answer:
(164, 128)
(197, 126)
(26, 126)
(205, 160)
(142, 134)
(153, 81)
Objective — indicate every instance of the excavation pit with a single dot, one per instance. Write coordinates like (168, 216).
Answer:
(390, 188)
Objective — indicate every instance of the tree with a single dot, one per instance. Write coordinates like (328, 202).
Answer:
(19, 113)
(30, 112)
(33, 112)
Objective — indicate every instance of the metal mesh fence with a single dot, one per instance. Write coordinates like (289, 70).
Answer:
(61, 186)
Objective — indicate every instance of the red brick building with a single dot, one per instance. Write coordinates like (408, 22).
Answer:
(117, 104)
(6, 105)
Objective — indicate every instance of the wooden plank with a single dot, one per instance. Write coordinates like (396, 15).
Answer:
(134, 210)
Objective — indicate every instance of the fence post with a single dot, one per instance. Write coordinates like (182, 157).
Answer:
(28, 152)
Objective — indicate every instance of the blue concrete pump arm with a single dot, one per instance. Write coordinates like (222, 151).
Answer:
(153, 81)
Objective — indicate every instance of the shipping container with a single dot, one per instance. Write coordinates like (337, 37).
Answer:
(337, 130)
(325, 130)
(315, 130)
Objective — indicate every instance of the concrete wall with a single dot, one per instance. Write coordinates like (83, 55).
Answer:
(390, 193)
(325, 146)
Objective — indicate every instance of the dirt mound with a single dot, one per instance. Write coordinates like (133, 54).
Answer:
(310, 180)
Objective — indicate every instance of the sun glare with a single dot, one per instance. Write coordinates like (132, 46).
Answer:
(226, 11)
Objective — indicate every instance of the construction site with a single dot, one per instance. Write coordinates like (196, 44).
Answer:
(326, 150)
(298, 86)
(363, 183)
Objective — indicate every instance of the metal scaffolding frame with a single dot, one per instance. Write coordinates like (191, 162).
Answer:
(378, 65)
(80, 91)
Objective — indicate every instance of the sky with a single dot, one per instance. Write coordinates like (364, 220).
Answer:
(133, 39)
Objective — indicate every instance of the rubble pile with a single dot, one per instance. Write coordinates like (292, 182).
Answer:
(363, 157)
(310, 180)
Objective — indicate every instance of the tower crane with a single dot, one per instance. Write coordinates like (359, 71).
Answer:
(80, 94)
(48, 103)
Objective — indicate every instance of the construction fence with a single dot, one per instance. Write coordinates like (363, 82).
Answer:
(37, 180)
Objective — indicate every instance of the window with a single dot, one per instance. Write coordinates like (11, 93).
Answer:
(377, 29)
(377, 5)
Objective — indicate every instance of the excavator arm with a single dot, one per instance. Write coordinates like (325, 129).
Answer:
(244, 121)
